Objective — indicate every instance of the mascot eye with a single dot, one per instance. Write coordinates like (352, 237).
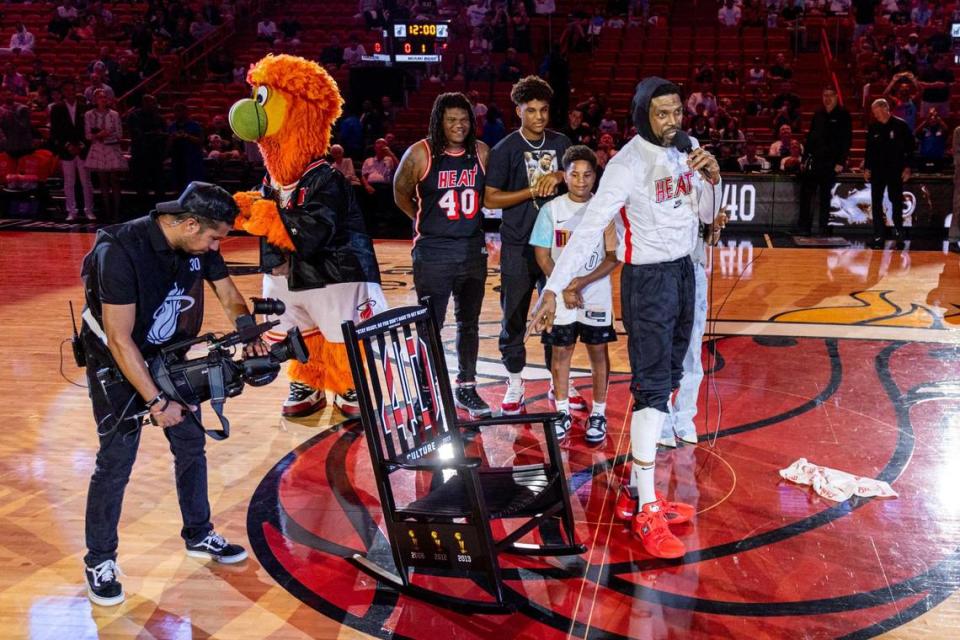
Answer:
(262, 95)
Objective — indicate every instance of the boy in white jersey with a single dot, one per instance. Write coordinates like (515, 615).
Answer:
(588, 309)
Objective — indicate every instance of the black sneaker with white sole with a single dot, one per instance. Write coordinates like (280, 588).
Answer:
(561, 426)
(103, 587)
(596, 429)
(465, 396)
(214, 547)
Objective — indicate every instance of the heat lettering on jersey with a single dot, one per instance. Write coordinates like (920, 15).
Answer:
(670, 188)
(454, 179)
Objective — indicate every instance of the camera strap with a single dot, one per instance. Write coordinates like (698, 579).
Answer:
(161, 375)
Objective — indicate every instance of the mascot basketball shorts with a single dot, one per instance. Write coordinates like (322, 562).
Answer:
(657, 302)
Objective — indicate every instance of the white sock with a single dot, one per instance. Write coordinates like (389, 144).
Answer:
(599, 409)
(645, 426)
(515, 379)
(563, 406)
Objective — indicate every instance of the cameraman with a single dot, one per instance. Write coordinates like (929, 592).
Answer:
(143, 283)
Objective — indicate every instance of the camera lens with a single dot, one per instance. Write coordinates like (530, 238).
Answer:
(268, 306)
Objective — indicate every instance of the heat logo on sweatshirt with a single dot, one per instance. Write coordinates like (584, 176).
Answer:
(670, 188)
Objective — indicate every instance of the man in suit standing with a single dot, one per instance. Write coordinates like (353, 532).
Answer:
(886, 166)
(68, 141)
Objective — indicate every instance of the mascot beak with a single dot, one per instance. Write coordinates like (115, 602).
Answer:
(248, 119)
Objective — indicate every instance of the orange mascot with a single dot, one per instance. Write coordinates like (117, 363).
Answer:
(315, 253)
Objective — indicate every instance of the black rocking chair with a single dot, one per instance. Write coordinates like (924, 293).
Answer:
(410, 423)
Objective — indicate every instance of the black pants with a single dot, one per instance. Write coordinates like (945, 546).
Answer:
(657, 301)
(115, 457)
(892, 182)
(823, 183)
(467, 282)
(519, 276)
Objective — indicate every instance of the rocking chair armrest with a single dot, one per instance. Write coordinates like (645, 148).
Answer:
(528, 418)
(436, 465)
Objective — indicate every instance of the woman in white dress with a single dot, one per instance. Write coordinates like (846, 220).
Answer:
(105, 158)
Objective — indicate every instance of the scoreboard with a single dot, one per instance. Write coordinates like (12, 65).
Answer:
(412, 42)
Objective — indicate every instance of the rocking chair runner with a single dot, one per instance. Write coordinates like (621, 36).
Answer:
(410, 423)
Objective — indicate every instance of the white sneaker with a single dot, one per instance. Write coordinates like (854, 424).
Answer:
(89, 216)
(513, 401)
(73, 217)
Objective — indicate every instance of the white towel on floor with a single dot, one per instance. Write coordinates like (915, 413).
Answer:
(833, 484)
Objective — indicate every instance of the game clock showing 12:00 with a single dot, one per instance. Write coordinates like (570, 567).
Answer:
(419, 41)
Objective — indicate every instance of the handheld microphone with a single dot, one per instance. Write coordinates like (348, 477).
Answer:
(684, 144)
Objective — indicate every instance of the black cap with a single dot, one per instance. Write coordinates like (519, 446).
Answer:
(205, 200)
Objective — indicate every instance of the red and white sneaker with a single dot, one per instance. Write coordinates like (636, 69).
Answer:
(302, 401)
(654, 533)
(347, 403)
(513, 401)
(577, 401)
(673, 512)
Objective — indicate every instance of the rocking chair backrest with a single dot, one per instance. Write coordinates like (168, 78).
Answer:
(402, 384)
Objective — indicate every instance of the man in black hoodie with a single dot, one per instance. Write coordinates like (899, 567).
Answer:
(825, 155)
(886, 166)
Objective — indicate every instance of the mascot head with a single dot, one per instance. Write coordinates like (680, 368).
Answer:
(294, 105)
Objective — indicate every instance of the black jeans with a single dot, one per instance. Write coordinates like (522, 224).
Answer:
(816, 181)
(657, 301)
(118, 450)
(467, 282)
(519, 276)
(892, 181)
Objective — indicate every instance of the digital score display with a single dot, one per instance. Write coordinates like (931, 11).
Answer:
(419, 41)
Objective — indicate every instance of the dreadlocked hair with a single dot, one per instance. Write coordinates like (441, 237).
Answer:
(438, 140)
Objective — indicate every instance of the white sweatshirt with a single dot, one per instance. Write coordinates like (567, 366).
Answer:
(658, 202)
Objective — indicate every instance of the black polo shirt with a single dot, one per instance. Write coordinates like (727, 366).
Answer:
(132, 263)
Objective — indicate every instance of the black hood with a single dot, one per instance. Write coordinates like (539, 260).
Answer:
(640, 106)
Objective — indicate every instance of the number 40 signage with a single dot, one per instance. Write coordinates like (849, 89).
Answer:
(740, 201)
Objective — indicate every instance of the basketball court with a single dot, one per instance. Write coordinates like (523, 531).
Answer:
(844, 356)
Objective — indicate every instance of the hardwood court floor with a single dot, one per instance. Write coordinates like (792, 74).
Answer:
(848, 357)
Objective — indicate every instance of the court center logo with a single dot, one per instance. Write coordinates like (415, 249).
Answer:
(167, 315)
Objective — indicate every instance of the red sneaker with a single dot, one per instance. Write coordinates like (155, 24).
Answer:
(654, 533)
(626, 503)
(577, 401)
(673, 512)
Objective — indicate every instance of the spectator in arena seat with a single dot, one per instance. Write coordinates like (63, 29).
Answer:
(864, 16)
(730, 75)
(372, 12)
(21, 42)
(494, 130)
(732, 140)
(781, 146)
(13, 80)
(703, 96)
(932, 142)
(574, 38)
(606, 150)
(479, 44)
(922, 14)
(511, 70)
(609, 124)
(377, 178)
(290, 32)
(729, 14)
(350, 133)
(577, 130)
(267, 30)
(388, 113)
(354, 51)
(200, 27)
(704, 74)
(793, 162)
(780, 70)
(935, 84)
(476, 12)
(700, 123)
(484, 72)
(901, 95)
(344, 164)
(39, 77)
(751, 162)
(371, 120)
(756, 74)
(97, 84)
(185, 143)
(521, 29)
(148, 149)
(65, 17)
(461, 69)
(332, 54)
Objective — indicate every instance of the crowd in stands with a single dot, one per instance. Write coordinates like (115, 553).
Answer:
(901, 50)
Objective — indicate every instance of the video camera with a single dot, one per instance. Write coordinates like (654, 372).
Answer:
(217, 376)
